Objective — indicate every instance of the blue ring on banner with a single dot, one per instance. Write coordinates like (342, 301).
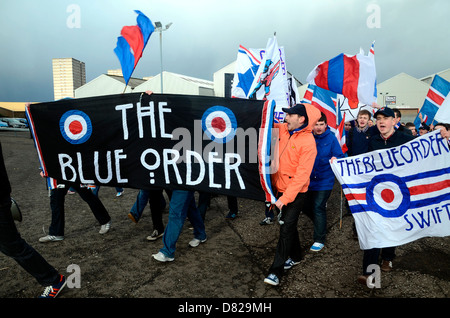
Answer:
(63, 120)
(230, 116)
(404, 205)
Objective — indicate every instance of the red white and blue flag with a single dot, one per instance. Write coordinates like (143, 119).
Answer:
(131, 44)
(261, 74)
(326, 102)
(247, 64)
(436, 95)
(400, 194)
(353, 76)
(267, 150)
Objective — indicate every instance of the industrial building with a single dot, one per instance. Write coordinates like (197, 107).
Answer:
(401, 91)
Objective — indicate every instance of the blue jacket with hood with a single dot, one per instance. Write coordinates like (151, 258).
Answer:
(322, 176)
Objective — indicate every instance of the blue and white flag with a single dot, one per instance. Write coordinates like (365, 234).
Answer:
(261, 74)
(400, 194)
(247, 64)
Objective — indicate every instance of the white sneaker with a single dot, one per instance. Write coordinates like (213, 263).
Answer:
(162, 258)
(105, 228)
(51, 238)
(196, 242)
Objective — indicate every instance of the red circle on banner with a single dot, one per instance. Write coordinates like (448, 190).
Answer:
(75, 127)
(387, 195)
(218, 124)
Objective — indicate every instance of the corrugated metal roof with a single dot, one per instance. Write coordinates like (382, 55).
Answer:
(133, 82)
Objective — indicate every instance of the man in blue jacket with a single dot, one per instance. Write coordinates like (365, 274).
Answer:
(321, 180)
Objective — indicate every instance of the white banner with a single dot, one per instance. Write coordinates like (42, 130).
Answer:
(400, 194)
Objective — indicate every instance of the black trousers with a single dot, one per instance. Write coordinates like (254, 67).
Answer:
(371, 256)
(289, 241)
(14, 246)
(57, 198)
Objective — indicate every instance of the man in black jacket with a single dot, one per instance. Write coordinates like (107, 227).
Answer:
(387, 138)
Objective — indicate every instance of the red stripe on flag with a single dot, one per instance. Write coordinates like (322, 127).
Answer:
(250, 53)
(355, 196)
(261, 169)
(135, 39)
(308, 95)
(427, 188)
(321, 78)
(436, 98)
(351, 77)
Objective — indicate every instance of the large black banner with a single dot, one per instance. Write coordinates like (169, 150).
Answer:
(145, 141)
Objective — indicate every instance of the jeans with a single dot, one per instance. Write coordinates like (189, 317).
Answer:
(157, 204)
(316, 208)
(182, 205)
(289, 241)
(57, 198)
(14, 246)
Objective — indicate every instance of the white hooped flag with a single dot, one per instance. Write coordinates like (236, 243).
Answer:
(400, 194)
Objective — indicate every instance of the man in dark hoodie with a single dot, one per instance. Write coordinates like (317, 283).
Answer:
(387, 138)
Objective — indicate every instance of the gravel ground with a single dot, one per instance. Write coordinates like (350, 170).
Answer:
(232, 263)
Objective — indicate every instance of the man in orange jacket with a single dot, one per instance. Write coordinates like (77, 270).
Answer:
(297, 153)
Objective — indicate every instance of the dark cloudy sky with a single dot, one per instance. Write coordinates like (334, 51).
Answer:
(412, 36)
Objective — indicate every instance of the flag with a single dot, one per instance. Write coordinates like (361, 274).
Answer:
(247, 64)
(261, 74)
(439, 89)
(167, 141)
(325, 101)
(270, 81)
(400, 194)
(293, 92)
(131, 44)
(340, 135)
(443, 113)
(353, 76)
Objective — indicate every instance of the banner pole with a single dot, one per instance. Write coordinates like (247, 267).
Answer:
(340, 222)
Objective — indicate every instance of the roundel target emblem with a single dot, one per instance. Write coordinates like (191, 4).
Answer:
(75, 126)
(388, 195)
(219, 124)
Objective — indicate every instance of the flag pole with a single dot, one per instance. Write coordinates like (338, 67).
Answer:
(126, 83)
(338, 104)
